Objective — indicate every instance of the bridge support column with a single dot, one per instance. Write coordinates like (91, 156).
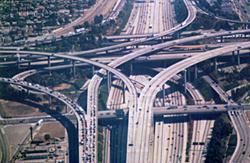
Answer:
(49, 64)
(29, 61)
(221, 39)
(163, 95)
(185, 80)
(188, 74)
(131, 68)
(164, 63)
(50, 101)
(215, 65)
(195, 71)
(93, 70)
(18, 58)
(178, 35)
(73, 68)
(238, 57)
(123, 92)
(233, 57)
(27, 90)
(109, 80)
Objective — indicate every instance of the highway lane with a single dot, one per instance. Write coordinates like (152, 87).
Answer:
(149, 92)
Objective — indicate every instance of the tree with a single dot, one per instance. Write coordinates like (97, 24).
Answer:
(47, 137)
(98, 19)
(86, 24)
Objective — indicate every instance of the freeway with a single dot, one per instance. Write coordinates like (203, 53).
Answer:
(92, 105)
(138, 53)
(78, 111)
(146, 99)
(163, 45)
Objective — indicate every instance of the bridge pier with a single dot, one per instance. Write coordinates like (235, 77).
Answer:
(49, 64)
(233, 57)
(93, 70)
(221, 39)
(162, 39)
(73, 68)
(163, 94)
(50, 101)
(123, 92)
(195, 71)
(215, 65)
(131, 68)
(238, 57)
(18, 58)
(189, 74)
(109, 80)
(185, 80)
(29, 61)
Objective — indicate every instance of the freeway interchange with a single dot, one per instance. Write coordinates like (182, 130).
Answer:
(139, 104)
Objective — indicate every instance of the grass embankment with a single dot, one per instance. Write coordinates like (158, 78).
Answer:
(222, 143)
(181, 11)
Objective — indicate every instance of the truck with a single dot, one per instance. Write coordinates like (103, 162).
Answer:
(39, 122)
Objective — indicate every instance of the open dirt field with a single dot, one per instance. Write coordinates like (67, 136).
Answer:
(54, 129)
(15, 135)
(15, 109)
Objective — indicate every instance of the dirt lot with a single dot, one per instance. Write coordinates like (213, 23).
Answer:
(15, 109)
(54, 129)
(15, 135)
